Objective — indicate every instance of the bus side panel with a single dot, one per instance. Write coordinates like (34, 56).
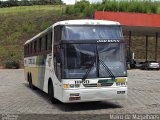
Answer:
(48, 72)
(40, 70)
(41, 61)
(31, 69)
(25, 69)
(26, 73)
(34, 72)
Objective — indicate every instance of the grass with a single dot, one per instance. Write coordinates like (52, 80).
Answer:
(18, 24)
(24, 9)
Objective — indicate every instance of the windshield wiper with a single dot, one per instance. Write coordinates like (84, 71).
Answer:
(89, 69)
(104, 65)
(107, 69)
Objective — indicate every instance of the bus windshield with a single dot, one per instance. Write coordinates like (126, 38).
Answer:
(92, 32)
(81, 57)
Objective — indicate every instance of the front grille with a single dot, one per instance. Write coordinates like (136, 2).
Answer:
(96, 85)
(90, 85)
(107, 84)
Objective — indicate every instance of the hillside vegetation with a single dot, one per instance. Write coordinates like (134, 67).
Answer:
(11, 3)
(138, 6)
(19, 24)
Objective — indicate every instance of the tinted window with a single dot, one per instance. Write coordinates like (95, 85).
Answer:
(28, 49)
(57, 34)
(31, 48)
(40, 44)
(91, 32)
(50, 41)
(81, 57)
(152, 61)
(46, 42)
(35, 46)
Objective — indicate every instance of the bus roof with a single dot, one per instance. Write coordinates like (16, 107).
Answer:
(87, 22)
(76, 22)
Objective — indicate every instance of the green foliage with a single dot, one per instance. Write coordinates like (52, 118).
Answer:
(13, 37)
(87, 9)
(28, 27)
(71, 10)
(81, 5)
(78, 8)
(2, 51)
(11, 3)
(45, 25)
(18, 24)
(158, 11)
(9, 64)
(11, 60)
(25, 9)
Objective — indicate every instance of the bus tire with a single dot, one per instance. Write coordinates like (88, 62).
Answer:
(30, 83)
(51, 94)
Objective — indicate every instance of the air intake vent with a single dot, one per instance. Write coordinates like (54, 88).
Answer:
(101, 83)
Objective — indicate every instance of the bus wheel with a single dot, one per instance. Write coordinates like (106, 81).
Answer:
(51, 94)
(30, 83)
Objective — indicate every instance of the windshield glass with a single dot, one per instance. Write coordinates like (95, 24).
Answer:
(80, 57)
(91, 32)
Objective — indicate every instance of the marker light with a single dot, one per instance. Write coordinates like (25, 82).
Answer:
(65, 85)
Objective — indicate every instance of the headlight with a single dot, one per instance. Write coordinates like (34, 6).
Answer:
(68, 85)
(65, 85)
(121, 82)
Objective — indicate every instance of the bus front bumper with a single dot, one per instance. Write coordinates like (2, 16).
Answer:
(97, 94)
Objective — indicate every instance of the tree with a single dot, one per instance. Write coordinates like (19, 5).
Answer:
(12, 3)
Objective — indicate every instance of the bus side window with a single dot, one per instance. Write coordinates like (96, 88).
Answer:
(57, 62)
(40, 45)
(57, 34)
(28, 49)
(46, 43)
(24, 51)
(43, 45)
(50, 41)
(31, 48)
(35, 47)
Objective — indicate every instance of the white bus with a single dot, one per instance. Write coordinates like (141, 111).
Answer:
(77, 61)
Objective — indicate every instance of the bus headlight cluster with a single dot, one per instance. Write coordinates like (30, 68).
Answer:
(71, 85)
(121, 82)
(68, 85)
(65, 85)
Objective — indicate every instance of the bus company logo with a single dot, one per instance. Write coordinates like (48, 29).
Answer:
(80, 81)
(102, 41)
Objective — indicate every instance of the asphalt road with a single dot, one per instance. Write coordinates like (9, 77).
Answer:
(18, 101)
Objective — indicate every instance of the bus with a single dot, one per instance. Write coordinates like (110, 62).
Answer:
(78, 61)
